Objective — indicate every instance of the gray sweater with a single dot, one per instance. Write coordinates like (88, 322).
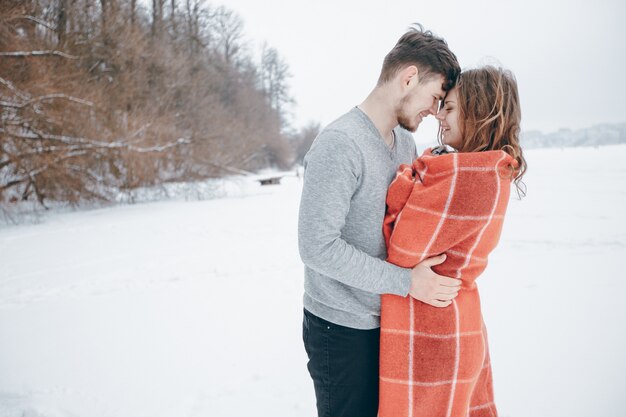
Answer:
(346, 175)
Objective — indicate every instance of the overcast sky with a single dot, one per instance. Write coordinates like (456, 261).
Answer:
(568, 56)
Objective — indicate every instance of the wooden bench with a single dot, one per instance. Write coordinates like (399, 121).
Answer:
(270, 181)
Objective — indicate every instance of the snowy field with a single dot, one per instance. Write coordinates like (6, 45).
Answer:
(193, 308)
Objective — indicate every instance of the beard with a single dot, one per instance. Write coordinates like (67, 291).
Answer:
(407, 123)
(404, 119)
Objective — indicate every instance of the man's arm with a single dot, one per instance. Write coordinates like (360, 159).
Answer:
(332, 171)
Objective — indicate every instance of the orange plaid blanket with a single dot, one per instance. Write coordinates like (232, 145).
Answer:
(434, 362)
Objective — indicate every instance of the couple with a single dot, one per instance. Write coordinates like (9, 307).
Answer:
(392, 243)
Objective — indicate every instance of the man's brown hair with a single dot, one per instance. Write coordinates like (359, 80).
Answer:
(429, 53)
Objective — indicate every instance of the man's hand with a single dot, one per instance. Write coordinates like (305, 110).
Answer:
(431, 288)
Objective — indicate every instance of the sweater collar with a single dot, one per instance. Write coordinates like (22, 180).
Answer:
(391, 151)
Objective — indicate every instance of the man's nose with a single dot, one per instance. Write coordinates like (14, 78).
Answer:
(439, 116)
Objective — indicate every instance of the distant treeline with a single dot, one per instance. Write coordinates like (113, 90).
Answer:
(602, 134)
(102, 96)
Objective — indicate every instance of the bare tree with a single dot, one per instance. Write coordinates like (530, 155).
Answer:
(133, 12)
(173, 18)
(228, 34)
(274, 76)
(157, 17)
(91, 104)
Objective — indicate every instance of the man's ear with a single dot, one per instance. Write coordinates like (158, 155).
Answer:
(409, 76)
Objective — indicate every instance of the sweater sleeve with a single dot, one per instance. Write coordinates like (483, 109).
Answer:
(331, 177)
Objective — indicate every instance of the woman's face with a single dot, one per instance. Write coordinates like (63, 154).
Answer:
(448, 117)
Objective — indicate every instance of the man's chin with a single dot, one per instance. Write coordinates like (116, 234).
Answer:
(411, 128)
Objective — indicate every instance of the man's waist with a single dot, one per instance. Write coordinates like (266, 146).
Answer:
(354, 315)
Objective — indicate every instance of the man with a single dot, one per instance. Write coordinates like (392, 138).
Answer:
(347, 172)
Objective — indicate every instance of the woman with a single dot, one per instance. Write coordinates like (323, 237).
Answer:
(435, 361)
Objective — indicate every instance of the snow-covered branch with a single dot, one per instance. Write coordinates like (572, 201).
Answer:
(23, 54)
(46, 98)
(11, 87)
(93, 144)
(35, 20)
(229, 169)
(179, 141)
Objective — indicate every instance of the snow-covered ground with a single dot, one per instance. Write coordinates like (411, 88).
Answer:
(193, 308)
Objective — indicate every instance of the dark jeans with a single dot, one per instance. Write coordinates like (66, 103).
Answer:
(343, 363)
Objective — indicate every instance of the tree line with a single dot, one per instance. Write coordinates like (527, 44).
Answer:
(98, 97)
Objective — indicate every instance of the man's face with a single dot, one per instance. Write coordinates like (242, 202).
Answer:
(422, 100)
